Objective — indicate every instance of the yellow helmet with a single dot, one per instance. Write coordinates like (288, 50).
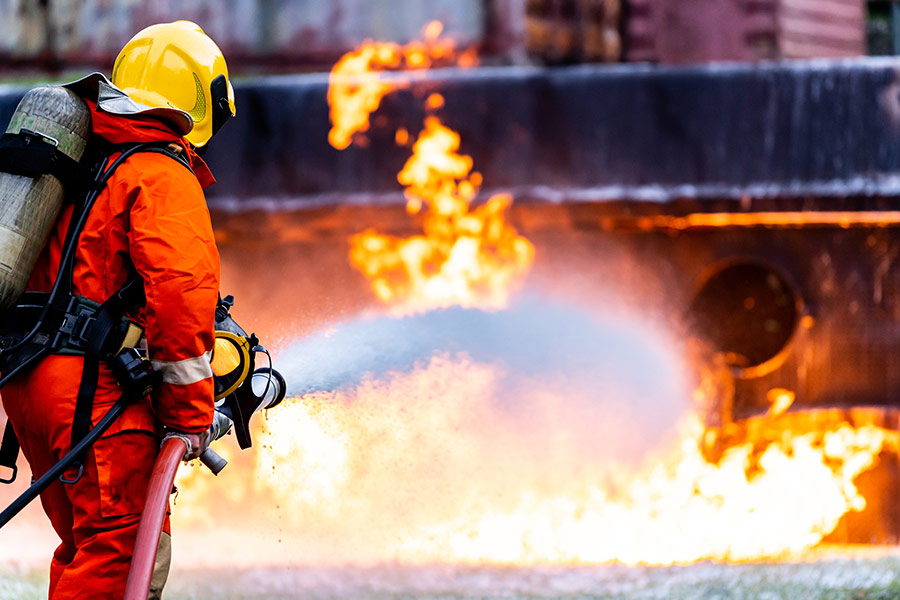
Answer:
(177, 65)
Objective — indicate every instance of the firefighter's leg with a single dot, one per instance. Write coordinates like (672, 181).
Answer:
(54, 499)
(161, 567)
(99, 515)
(108, 504)
(56, 505)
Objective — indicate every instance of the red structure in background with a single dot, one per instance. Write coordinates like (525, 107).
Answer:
(693, 31)
(689, 31)
(290, 36)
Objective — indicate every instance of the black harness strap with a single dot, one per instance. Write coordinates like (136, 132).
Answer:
(101, 345)
(9, 452)
(167, 150)
(31, 154)
(84, 408)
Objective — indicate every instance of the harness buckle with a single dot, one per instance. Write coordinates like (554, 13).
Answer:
(77, 478)
(82, 325)
(11, 478)
(76, 325)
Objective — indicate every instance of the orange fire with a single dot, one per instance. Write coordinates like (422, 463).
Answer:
(680, 510)
(356, 84)
(430, 465)
(467, 257)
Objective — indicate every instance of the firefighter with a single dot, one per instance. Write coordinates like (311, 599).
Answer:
(150, 224)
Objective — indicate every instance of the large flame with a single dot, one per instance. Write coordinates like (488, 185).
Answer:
(435, 465)
(468, 257)
(432, 464)
(681, 510)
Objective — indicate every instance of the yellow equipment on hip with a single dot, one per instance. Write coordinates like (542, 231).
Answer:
(230, 362)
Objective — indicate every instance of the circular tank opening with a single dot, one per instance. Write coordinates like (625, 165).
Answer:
(747, 311)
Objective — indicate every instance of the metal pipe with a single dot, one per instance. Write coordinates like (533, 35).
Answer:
(895, 26)
(150, 528)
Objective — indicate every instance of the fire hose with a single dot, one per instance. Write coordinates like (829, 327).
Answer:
(150, 529)
(162, 479)
(234, 413)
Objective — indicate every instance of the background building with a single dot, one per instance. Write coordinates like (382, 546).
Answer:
(281, 35)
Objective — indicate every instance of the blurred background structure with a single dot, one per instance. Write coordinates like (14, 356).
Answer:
(280, 35)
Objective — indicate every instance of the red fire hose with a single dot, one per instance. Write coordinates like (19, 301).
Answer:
(150, 529)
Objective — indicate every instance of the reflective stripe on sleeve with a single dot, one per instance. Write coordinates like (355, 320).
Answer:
(184, 372)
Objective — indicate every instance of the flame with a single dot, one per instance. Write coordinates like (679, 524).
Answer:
(681, 511)
(467, 257)
(356, 87)
(780, 400)
(434, 102)
(432, 466)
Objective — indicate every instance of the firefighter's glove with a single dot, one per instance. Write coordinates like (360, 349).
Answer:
(196, 442)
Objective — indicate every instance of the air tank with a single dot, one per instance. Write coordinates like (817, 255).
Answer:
(29, 206)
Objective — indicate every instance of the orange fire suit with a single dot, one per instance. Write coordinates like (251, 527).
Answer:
(150, 220)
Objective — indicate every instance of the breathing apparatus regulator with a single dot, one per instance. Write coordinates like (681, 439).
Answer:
(241, 387)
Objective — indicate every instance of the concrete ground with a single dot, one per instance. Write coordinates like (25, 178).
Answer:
(865, 574)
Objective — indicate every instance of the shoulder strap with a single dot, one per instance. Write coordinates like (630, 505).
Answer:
(168, 150)
(127, 298)
(79, 217)
(30, 154)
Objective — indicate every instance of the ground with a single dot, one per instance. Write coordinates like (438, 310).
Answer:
(858, 575)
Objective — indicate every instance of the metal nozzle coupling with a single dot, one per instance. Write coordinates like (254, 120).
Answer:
(213, 461)
(220, 427)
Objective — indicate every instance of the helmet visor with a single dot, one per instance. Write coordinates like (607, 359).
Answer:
(221, 107)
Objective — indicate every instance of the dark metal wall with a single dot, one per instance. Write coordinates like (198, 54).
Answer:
(659, 133)
(782, 129)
